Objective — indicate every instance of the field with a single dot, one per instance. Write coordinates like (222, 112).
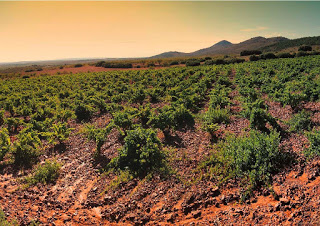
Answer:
(215, 144)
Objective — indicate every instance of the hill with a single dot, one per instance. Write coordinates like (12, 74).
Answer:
(260, 43)
(292, 43)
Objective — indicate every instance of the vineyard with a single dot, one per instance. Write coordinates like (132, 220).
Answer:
(218, 144)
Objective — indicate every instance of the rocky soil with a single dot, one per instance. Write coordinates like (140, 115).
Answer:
(82, 194)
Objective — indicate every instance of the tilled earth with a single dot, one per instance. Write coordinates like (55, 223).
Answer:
(80, 195)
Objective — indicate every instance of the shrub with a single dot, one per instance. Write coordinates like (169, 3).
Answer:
(174, 63)
(98, 135)
(256, 112)
(285, 55)
(314, 148)
(216, 115)
(59, 133)
(141, 153)
(83, 112)
(209, 62)
(26, 149)
(236, 60)
(123, 120)
(301, 121)
(301, 54)
(210, 128)
(258, 119)
(13, 124)
(252, 159)
(78, 65)
(254, 58)
(181, 116)
(100, 64)
(314, 53)
(219, 61)
(5, 143)
(45, 173)
(162, 120)
(193, 62)
(219, 98)
(113, 64)
(268, 56)
(171, 117)
(224, 80)
(250, 52)
(2, 117)
(292, 99)
(138, 96)
(305, 48)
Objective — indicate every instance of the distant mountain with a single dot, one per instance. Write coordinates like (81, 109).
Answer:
(218, 47)
(226, 47)
(169, 54)
(292, 43)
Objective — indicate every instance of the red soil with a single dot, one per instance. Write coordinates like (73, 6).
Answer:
(79, 197)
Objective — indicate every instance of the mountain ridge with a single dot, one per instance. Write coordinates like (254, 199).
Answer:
(255, 43)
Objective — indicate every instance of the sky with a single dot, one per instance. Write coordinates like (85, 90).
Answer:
(60, 30)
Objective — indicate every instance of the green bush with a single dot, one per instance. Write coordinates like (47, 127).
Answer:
(305, 48)
(219, 61)
(216, 115)
(181, 116)
(26, 149)
(254, 58)
(78, 65)
(211, 128)
(192, 62)
(59, 133)
(258, 119)
(252, 159)
(83, 112)
(292, 99)
(45, 173)
(168, 117)
(2, 117)
(301, 121)
(285, 55)
(162, 119)
(314, 148)
(13, 124)
(141, 153)
(301, 54)
(98, 135)
(268, 56)
(123, 119)
(174, 63)
(219, 98)
(258, 115)
(5, 143)
(250, 52)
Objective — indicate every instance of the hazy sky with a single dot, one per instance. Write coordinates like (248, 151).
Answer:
(55, 30)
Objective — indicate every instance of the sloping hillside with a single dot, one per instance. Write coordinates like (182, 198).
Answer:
(226, 47)
(292, 43)
(209, 145)
(261, 43)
